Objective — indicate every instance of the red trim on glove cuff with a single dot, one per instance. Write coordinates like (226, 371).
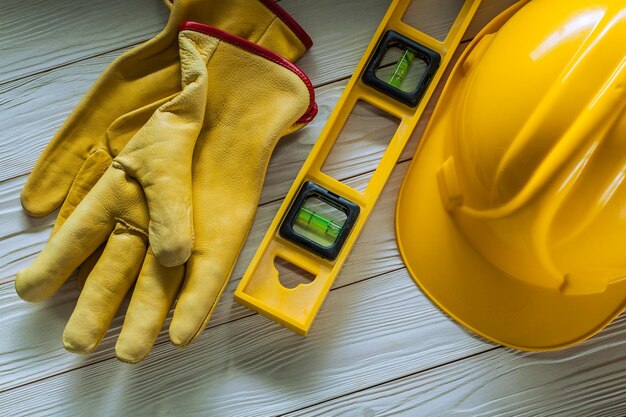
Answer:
(262, 52)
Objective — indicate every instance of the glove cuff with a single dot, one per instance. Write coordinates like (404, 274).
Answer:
(256, 49)
(290, 22)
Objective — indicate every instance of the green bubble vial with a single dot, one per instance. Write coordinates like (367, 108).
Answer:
(401, 69)
(316, 224)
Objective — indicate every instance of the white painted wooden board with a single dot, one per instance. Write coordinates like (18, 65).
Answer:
(38, 35)
(22, 237)
(378, 342)
(29, 118)
(366, 333)
(375, 254)
(18, 229)
(586, 380)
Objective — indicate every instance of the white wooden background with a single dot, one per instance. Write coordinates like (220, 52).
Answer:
(378, 347)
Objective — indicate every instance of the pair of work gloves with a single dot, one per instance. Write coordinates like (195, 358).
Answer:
(159, 170)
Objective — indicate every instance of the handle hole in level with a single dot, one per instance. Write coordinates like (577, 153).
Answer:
(290, 275)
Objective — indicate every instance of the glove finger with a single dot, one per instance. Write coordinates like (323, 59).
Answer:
(105, 290)
(139, 76)
(92, 170)
(152, 299)
(84, 270)
(171, 224)
(56, 169)
(159, 156)
(222, 232)
(86, 229)
(204, 284)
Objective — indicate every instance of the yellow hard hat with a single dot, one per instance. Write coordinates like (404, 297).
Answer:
(512, 216)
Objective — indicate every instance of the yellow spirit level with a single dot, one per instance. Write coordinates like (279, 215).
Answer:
(321, 217)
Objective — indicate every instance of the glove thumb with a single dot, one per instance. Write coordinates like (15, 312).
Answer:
(159, 156)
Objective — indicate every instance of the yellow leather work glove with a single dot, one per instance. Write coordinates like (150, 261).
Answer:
(251, 98)
(129, 91)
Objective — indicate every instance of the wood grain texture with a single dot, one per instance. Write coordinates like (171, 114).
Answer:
(375, 254)
(378, 346)
(29, 118)
(587, 380)
(67, 33)
(248, 368)
(22, 237)
(38, 35)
